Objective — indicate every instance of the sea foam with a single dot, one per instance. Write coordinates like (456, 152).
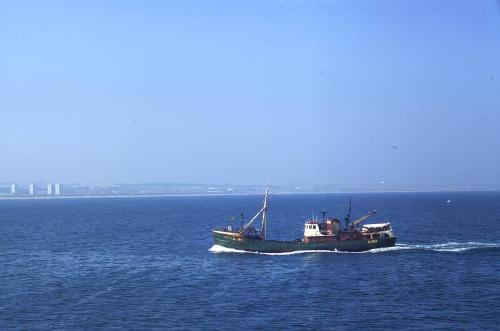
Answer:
(449, 247)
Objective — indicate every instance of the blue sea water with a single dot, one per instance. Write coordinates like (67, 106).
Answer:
(148, 263)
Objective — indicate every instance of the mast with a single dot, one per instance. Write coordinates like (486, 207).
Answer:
(347, 218)
(263, 212)
(264, 216)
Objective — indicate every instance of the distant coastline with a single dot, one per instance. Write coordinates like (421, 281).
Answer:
(47, 197)
(44, 190)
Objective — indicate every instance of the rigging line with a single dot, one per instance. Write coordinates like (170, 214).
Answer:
(254, 218)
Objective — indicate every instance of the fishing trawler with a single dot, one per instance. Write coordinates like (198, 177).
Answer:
(326, 234)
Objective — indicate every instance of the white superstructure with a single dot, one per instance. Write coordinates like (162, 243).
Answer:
(378, 230)
(311, 230)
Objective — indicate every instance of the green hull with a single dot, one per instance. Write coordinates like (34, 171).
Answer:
(278, 246)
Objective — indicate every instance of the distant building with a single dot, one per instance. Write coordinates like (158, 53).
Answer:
(58, 189)
(13, 189)
(32, 189)
(49, 189)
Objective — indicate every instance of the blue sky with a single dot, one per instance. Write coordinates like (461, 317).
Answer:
(251, 92)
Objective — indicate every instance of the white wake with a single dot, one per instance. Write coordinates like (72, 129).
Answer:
(450, 247)
(222, 249)
(446, 247)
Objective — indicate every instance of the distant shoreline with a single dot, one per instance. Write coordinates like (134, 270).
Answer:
(228, 194)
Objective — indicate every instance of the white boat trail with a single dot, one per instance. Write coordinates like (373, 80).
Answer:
(449, 247)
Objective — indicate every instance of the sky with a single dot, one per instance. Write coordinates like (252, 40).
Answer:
(395, 93)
